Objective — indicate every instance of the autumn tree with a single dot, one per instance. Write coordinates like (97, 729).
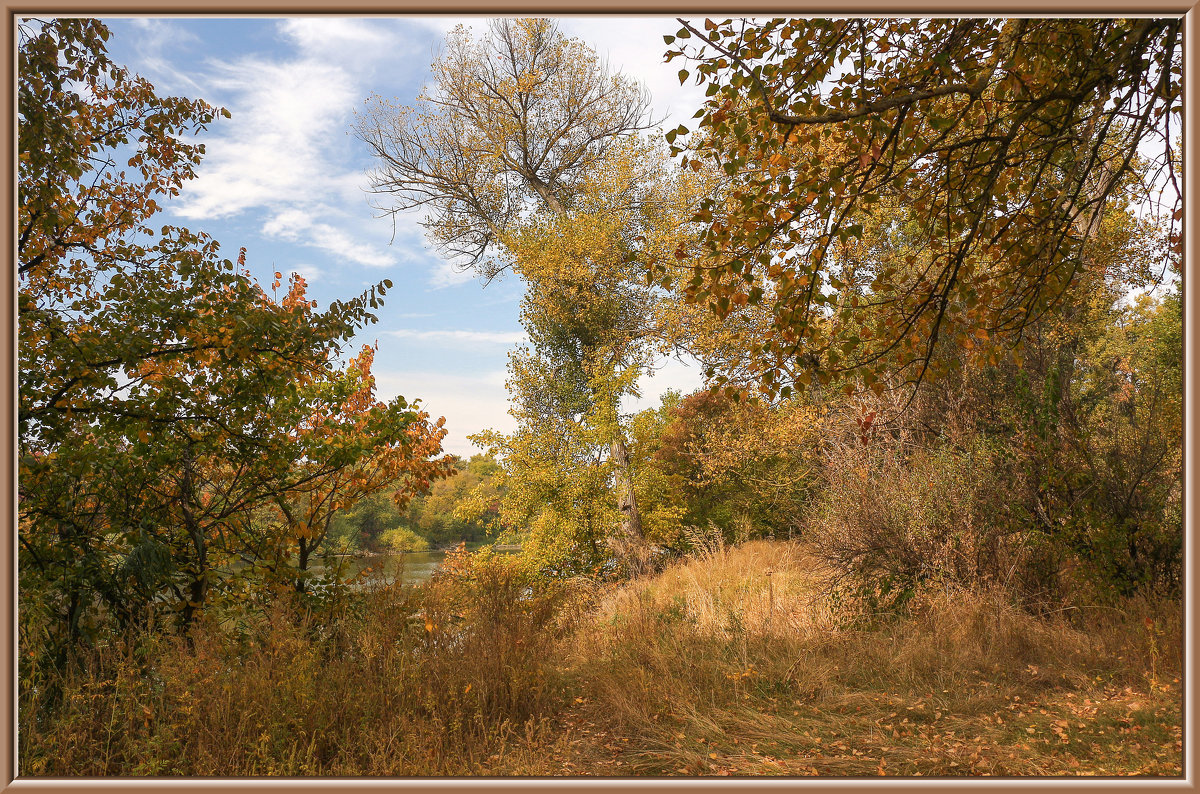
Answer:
(511, 121)
(464, 507)
(397, 450)
(524, 157)
(162, 389)
(745, 467)
(993, 146)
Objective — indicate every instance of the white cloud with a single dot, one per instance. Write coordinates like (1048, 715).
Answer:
(271, 151)
(462, 337)
(635, 47)
(448, 274)
(299, 225)
(286, 154)
(341, 38)
(309, 273)
(157, 39)
(470, 403)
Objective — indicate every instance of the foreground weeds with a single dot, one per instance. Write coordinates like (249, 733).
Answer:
(448, 679)
(731, 664)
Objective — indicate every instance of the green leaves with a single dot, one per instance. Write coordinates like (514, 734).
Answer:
(671, 135)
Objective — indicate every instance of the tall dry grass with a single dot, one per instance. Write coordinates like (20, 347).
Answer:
(448, 679)
(728, 647)
(738, 661)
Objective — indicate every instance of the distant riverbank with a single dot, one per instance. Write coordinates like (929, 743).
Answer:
(410, 567)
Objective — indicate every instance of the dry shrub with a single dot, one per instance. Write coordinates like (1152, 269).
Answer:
(891, 520)
(452, 678)
(492, 629)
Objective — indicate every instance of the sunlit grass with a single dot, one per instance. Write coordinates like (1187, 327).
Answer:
(712, 667)
(699, 671)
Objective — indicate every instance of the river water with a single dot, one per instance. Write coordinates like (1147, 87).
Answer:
(409, 568)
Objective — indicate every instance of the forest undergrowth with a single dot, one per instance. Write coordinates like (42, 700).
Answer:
(738, 661)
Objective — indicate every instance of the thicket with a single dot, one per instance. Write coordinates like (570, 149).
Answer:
(1059, 479)
(488, 671)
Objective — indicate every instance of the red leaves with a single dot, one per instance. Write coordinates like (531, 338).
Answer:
(864, 426)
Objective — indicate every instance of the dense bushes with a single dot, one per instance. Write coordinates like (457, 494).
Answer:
(888, 523)
(1054, 473)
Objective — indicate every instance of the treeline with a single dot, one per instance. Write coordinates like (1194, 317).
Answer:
(1059, 479)
(461, 509)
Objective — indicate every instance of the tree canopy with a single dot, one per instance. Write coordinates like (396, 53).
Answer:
(516, 118)
(896, 184)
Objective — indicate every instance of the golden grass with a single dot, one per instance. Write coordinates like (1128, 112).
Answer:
(715, 668)
(712, 667)
(449, 679)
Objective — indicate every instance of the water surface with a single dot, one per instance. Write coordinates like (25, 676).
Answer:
(409, 568)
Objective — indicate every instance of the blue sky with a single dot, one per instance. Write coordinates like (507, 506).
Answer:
(285, 179)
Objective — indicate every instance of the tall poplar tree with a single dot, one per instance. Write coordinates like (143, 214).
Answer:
(524, 156)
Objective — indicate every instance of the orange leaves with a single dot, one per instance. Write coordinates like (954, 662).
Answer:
(363, 447)
(297, 299)
(866, 158)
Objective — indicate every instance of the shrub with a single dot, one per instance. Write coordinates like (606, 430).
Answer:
(888, 523)
(403, 539)
(431, 680)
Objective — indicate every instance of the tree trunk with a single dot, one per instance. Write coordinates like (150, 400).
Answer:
(302, 566)
(198, 588)
(629, 543)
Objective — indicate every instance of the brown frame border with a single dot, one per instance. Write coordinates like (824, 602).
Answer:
(1190, 9)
